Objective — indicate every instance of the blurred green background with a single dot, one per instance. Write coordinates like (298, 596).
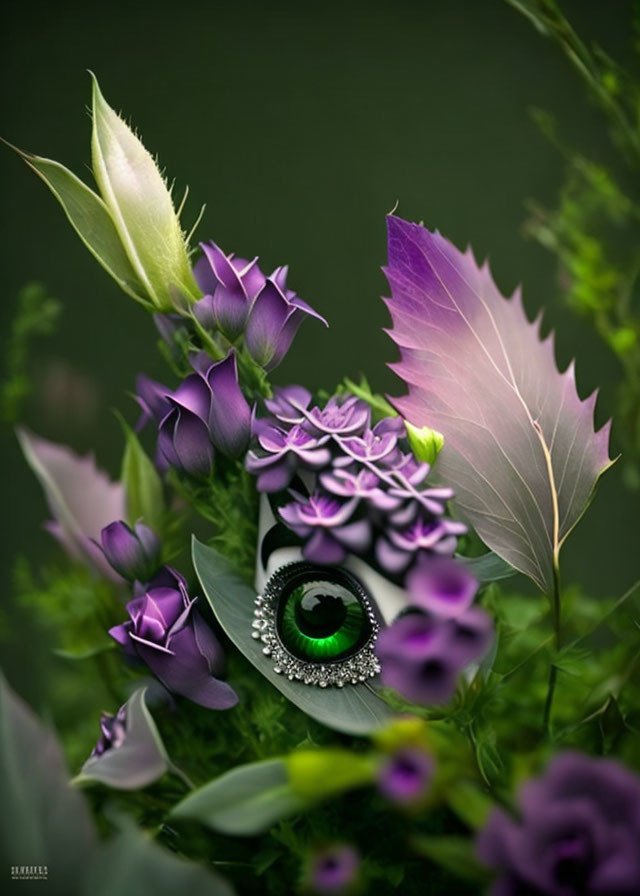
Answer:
(300, 125)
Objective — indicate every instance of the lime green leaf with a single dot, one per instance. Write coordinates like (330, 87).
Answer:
(142, 484)
(244, 801)
(455, 854)
(141, 207)
(318, 774)
(354, 709)
(90, 218)
(425, 443)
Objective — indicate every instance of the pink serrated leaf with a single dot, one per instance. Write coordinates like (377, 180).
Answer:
(521, 450)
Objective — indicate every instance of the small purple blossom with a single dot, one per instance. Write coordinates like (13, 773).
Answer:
(273, 321)
(341, 416)
(398, 548)
(283, 453)
(327, 525)
(230, 285)
(407, 481)
(577, 833)
(112, 731)
(442, 586)
(207, 412)
(422, 656)
(405, 776)
(166, 632)
(134, 553)
(361, 484)
(377, 446)
(333, 871)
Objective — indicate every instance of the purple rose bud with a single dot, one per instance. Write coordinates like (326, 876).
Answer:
(134, 553)
(333, 871)
(166, 633)
(442, 586)
(273, 321)
(405, 776)
(577, 832)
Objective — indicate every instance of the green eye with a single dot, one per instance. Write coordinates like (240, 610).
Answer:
(321, 620)
(318, 625)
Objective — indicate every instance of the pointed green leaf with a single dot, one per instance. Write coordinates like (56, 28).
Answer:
(90, 219)
(244, 801)
(141, 207)
(142, 484)
(354, 709)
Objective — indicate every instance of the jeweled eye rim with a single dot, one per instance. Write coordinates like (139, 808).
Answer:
(354, 669)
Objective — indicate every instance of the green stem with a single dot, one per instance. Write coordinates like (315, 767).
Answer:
(553, 670)
(174, 770)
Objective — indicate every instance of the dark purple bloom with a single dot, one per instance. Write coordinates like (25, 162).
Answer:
(134, 553)
(325, 524)
(578, 832)
(273, 321)
(341, 416)
(207, 411)
(289, 403)
(112, 731)
(405, 776)
(167, 633)
(333, 870)
(283, 453)
(441, 585)
(422, 656)
(230, 285)
(153, 399)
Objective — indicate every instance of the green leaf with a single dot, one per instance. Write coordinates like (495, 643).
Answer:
(138, 761)
(132, 865)
(43, 820)
(244, 801)
(455, 854)
(91, 220)
(469, 802)
(142, 484)
(354, 709)
(141, 207)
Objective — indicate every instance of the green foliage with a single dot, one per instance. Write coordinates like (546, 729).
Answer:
(142, 484)
(36, 315)
(594, 231)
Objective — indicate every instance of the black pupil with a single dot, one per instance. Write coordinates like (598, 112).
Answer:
(320, 614)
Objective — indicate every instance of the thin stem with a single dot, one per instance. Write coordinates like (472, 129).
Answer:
(553, 670)
(174, 770)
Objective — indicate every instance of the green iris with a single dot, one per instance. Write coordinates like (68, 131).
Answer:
(322, 619)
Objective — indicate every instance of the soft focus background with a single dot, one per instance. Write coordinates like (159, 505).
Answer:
(300, 126)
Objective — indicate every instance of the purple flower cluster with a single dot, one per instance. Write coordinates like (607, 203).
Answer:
(578, 832)
(368, 493)
(207, 412)
(239, 299)
(165, 631)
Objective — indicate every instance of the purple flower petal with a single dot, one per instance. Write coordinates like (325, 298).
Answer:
(230, 415)
(442, 586)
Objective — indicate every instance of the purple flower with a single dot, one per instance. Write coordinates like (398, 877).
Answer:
(283, 453)
(422, 656)
(134, 553)
(207, 411)
(375, 446)
(441, 585)
(578, 832)
(341, 416)
(325, 523)
(273, 321)
(129, 753)
(405, 776)
(230, 285)
(333, 870)
(166, 633)
(363, 484)
(407, 481)
(289, 403)
(395, 551)
(153, 399)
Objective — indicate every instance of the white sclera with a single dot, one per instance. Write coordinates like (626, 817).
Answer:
(388, 598)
